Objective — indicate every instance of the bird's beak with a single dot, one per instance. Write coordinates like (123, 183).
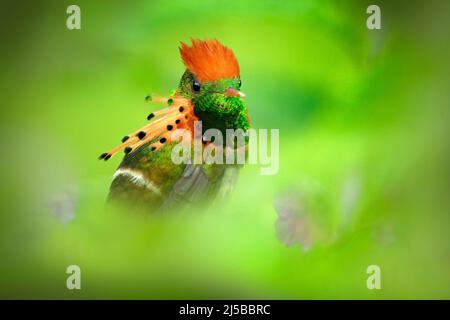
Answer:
(231, 92)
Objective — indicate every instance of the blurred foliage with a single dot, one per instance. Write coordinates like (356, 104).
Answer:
(364, 153)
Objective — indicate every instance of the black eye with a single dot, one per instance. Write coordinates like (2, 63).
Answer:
(196, 86)
(239, 83)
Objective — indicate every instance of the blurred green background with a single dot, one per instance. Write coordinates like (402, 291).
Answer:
(364, 152)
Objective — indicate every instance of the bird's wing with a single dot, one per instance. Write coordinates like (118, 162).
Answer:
(228, 181)
(200, 182)
(190, 187)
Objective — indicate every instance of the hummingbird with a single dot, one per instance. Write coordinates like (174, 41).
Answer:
(209, 91)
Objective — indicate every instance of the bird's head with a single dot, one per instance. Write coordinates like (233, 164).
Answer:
(209, 91)
(212, 80)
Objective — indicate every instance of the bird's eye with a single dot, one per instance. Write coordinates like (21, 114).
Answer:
(239, 83)
(196, 86)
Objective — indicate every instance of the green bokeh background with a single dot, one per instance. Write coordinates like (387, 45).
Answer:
(357, 109)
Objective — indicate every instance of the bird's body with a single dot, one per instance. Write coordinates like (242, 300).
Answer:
(208, 92)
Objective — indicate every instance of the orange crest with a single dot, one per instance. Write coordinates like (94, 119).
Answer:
(209, 60)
